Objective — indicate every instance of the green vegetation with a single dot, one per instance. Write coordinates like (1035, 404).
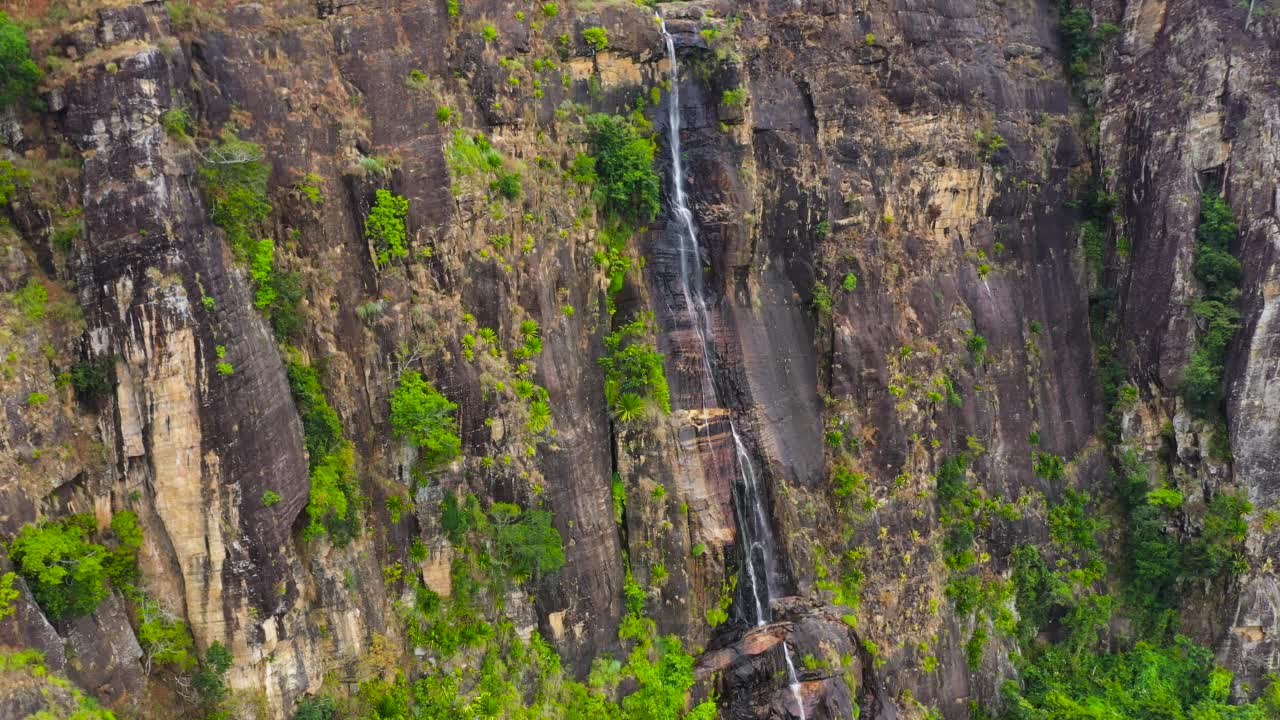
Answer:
(1160, 675)
(309, 188)
(335, 496)
(177, 123)
(316, 708)
(633, 370)
(31, 663)
(270, 497)
(482, 669)
(210, 681)
(507, 184)
(11, 178)
(66, 570)
(597, 38)
(1174, 680)
(93, 377)
(19, 74)
(1217, 312)
(525, 543)
(320, 424)
(734, 98)
(335, 500)
(977, 347)
(1049, 466)
(626, 186)
(988, 144)
(469, 154)
(613, 258)
(164, 637)
(550, 9)
(385, 226)
(31, 299)
(8, 594)
(234, 178)
(425, 418)
(1220, 547)
(1081, 40)
(490, 33)
(821, 299)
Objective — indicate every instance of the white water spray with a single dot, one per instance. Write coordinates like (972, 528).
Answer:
(753, 524)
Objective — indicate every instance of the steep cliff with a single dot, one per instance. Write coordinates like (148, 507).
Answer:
(361, 358)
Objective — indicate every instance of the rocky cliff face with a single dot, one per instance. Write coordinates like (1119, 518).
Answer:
(891, 198)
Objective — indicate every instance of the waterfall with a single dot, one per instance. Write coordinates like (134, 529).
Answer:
(755, 532)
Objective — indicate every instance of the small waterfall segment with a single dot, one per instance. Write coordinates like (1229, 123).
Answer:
(753, 524)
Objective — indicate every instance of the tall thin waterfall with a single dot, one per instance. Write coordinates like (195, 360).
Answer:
(756, 534)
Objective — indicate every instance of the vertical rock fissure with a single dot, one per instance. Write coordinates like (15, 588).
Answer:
(755, 533)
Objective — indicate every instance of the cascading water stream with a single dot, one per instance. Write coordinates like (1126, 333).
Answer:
(753, 524)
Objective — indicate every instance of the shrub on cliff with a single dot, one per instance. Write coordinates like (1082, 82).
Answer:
(386, 227)
(632, 367)
(320, 424)
(18, 72)
(66, 570)
(234, 178)
(1216, 313)
(525, 541)
(626, 184)
(335, 494)
(424, 417)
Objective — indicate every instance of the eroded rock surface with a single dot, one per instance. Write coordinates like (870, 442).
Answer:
(860, 225)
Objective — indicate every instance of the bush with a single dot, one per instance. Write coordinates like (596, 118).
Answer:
(176, 123)
(321, 427)
(234, 178)
(526, 541)
(425, 418)
(335, 497)
(1049, 466)
(507, 185)
(65, 570)
(821, 299)
(31, 299)
(385, 226)
(1153, 558)
(736, 98)
(19, 74)
(977, 347)
(11, 179)
(597, 38)
(270, 497)
(165, 638)
(211, 680)
(316, 708)
(1220, 273)
(632, 366)
(1221, 541)
(335, 494)
(626, 185)
(1172, 680)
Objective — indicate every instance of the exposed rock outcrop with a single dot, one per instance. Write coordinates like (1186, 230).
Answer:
(887, 196)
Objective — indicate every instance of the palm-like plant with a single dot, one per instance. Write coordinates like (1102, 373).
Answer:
(628, 408)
